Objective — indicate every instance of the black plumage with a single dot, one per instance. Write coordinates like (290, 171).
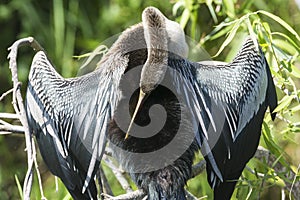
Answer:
(239, 94)
(209, 105)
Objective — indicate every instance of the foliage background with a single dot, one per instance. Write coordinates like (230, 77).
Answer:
(73, 27)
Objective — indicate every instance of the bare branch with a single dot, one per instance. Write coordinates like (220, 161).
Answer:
(138, 194)
(6, 93)
(9, 116)
(12, 129)
(190, 196)
(118, 174)
(20, 109)
(198, 168)
(38, 172)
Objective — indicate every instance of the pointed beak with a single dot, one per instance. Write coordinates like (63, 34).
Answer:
(140, 100)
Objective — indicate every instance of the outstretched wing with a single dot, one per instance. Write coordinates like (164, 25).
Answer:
(69, 118)
(232, 101)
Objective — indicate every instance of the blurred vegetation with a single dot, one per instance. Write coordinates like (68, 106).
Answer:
(69, 28)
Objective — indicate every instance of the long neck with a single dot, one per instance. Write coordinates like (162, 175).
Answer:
(157, 45)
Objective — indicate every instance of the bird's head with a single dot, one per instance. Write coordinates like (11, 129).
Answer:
(162, 37)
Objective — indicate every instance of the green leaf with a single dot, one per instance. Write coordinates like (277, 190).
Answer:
(59, 26)
(220, 33)
(285, 102)
(295, 71)
(19, 186)
(252, 34)
(280, 21)
(229, 7)
(185, 17)
(229, 38)
(285, 46)
(220, 30)
(212, 11)
(297, 47)
(271, 144)
(176, 6)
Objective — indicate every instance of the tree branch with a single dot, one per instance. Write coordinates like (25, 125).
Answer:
(138, 194)
(5, 94)
(9, 116)
(11, 129)
(20, 109)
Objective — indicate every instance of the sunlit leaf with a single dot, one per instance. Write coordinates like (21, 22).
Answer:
(176, 6)
(212, 11)
(19, 186)
(297, 47)
(282, 22)
(185, 17)
(295, 71)
(284, 45)
(229, 6)
(285, 102)
(229, 38)
(271, 144)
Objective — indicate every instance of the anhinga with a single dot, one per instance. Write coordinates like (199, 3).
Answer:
(215, 106)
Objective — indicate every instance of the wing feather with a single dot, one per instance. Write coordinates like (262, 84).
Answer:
(237, 93)
(72, 115)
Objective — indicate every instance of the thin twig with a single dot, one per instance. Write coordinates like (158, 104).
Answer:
(5, 94)
(20, 109)
(118, 174)
(12, 129)
(138, 194)
(9, 116)
(190, 196)
(294, 182)
(198, 168)
(38, 172)
(6, 133)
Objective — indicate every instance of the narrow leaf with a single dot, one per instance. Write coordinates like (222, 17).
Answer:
(176, 6)
(295, 71)
(282, 22)
(229, 6)
(20, 190)
(184, 18)
(296, 108)
(285, 101)
(271, 144)
(229, 38)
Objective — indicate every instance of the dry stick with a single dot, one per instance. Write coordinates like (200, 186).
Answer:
(9, 116)
(11, 129)
(138, 194)
(198, 168)
(118, 174)
(6, 93)
(20, 109)
(190, 196)
(38, 171)
(7, 127)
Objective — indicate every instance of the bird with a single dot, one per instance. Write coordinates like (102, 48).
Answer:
(70, 116)
(155, 108)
